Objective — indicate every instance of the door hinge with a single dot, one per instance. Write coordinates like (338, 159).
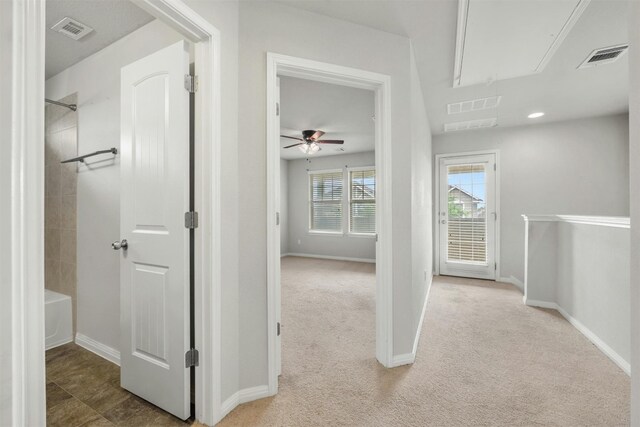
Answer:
(495, 266)
(191, 358)
(277, 108)
(494, 166)
(277, 218)
(191, 219)
(278, 329)
(191, 83)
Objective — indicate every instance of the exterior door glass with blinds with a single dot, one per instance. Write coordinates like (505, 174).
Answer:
(467, 216)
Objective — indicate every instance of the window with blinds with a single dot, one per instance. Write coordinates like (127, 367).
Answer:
(362, 201)
(325, 204)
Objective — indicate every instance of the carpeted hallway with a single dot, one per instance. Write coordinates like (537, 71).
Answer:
(484, 359)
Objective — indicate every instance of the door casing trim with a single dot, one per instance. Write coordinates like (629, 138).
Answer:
(436, 204)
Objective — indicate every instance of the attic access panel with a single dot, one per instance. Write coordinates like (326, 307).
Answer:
(503, 39)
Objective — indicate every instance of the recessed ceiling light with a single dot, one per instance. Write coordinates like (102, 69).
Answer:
(535, 115)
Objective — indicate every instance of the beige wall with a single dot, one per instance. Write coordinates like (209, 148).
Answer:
(60, 185)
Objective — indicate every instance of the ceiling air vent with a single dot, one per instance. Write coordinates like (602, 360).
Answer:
(606, 55)
(473, 105)
(72, 28)
(471, 124)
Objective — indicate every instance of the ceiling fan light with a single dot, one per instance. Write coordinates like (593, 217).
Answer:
(304, 148)
(314, 148)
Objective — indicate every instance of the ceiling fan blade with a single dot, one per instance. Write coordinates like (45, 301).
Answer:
(294, 145)
(330, 141)
(291, 137)
(316, 135)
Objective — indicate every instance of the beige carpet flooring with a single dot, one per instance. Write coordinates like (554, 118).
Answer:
(484, 359)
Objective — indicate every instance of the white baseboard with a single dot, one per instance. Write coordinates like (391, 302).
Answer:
(409, 358)
(612, 354)
(243, 396)
(58, 343)
(229, 404)
(104, 351)
(513, 280)
(541, 304)
(602, 346)
(337, 258)
(402, 359)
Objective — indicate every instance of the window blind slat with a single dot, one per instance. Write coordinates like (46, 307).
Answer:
(326, 201)
(362, 206)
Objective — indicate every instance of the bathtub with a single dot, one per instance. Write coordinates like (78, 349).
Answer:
(57, 319)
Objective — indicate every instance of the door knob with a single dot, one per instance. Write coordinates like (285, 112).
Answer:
(444, 221)
(120, 245)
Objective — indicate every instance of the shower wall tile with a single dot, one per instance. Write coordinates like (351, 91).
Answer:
(68, 246)
(52, 180)
(68, 179)
(68, 281)
(52, 274)
(52, 244)
(51, 154)
(52, 212)
(60, 118)
(61, 142)
(67, 140)
(68, 213)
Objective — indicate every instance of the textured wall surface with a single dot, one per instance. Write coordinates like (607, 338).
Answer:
(60, 186)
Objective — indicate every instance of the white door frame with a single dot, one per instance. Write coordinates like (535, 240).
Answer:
(381, 84)
(25, 212)
(436, 169)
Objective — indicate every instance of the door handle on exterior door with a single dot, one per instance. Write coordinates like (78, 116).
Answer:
(120, 245)
(444, 221)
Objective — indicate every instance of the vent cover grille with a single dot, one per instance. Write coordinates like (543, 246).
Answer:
(72, 28)
(606, 55)
(471, 124)
(474, 105)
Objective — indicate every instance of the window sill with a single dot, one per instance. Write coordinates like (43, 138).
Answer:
(326, 233)
(363, 235)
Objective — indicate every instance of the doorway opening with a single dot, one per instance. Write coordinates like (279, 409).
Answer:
(117, 177)
(467, 207)
(280, 66)
(327, 222)
(129, 163)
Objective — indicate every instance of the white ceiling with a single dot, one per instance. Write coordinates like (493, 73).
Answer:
(341, 112)
(561, 90)
(110, 19)
(498, 40)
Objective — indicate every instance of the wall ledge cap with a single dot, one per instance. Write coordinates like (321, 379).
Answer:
(603, 221)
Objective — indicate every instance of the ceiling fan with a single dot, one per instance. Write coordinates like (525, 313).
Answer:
(310, 141)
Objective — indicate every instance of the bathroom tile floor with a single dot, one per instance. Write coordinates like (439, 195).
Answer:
(84, 390)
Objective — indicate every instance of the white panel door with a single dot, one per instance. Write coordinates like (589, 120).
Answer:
(467, 217)
(154, 268)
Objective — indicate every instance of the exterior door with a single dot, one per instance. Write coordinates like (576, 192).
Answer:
(467, 216)
(154, 267)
